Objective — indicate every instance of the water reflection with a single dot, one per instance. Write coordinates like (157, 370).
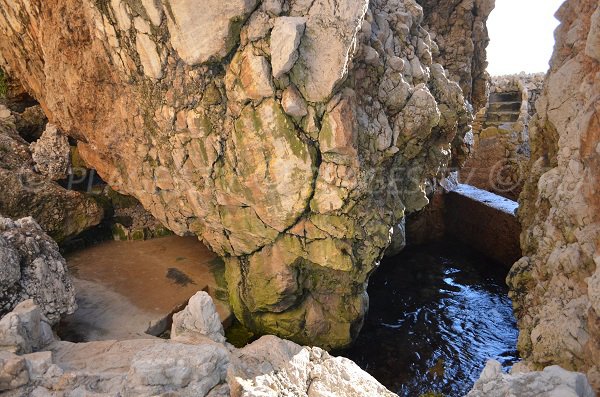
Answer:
(438, 312)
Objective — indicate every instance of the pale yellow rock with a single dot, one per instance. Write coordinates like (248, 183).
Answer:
(154, 10)
(151, 61)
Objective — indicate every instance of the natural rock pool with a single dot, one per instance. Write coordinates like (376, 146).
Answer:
(437, 313)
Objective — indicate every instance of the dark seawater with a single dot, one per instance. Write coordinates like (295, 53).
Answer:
(437, 313)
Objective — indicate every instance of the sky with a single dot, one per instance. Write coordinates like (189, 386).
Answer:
(521, 35)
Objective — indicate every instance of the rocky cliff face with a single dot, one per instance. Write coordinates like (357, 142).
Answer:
(290, 136)
(60, 212)
(459, 30)
(555, 287)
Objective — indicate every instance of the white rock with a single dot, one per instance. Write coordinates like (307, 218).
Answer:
(553, 381)
(198, 319)
(325, 49)
(285, 39)
(151, 62)
(201, 30)
(25, 329)
(38, 363)
(276, 367)
(191, 370)
(43, 271)
(154, 11)
(258, 26)
(120, 10)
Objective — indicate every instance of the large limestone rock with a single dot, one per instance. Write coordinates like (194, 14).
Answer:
(203, 30)
(554, 287)
(61, 213)
(275, 367)
(195, 368)
(32, 267)
(182, 105)
(25, 329)
(553, 381)
(199, 319)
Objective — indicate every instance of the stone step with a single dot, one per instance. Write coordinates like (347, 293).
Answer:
(498, 124)
(513, 96)
(504, 106)
(504, 117)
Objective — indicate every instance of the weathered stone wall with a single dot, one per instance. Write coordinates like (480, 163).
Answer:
(498, 162)
(555, 286)
(291, 137)
(459, 30)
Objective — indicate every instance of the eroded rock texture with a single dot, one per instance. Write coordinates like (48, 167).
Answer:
(291, 137)
(459, 30)
(191, 365)
(555, 287)
(24, 192)
(32, 268)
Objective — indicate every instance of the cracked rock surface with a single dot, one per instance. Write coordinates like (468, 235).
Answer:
(32, 268)
(290, 136)
(555, 287)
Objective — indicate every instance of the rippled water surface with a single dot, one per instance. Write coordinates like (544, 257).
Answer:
(437, 313)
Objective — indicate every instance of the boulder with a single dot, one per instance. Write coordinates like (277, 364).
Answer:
(51, 153)
(13, 371)
(285, 39)
(25, 329)
(197, 368)
(553, 381)
(275, 367)
(35, 270)
(198, 319)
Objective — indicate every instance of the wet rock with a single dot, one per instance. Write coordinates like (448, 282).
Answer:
(198, 319)
(51, 153)
(553, 381)
(42, 272)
